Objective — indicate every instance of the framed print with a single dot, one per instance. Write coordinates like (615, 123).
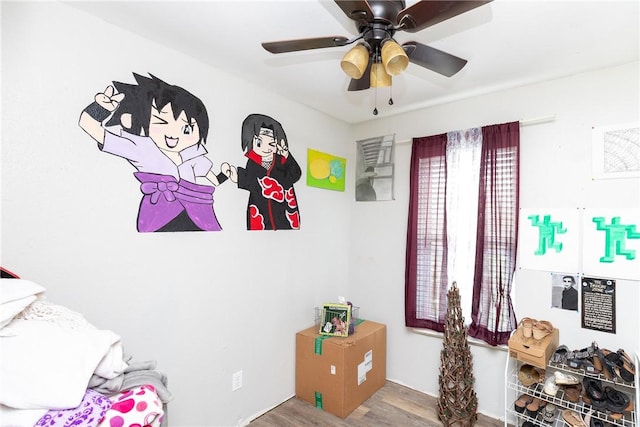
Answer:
(616, 151)
(325, 170)
(611, 243)
(375, 166)
(335, 320)
(549, 239)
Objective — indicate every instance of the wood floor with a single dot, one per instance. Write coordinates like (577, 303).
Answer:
(393, 405)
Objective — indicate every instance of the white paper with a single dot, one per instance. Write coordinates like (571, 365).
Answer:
(368, 360)
(362, 373)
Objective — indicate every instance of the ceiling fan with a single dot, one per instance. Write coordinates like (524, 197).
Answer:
(377, 56)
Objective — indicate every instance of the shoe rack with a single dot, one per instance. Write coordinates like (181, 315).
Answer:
(514, 389)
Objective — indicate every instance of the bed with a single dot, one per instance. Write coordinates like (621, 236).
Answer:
(57, 369)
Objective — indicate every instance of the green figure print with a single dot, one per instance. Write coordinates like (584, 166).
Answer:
(547, 231)
(615, 236)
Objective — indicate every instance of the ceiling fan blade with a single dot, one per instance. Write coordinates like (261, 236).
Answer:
(363, 82)
(433, 59)
(356, 10)
(426, 13)
(305, 44)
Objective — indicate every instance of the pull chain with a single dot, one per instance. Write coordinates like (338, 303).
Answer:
(375, 94)
(375, 102)
(391, 95)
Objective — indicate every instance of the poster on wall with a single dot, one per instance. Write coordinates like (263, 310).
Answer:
(611, 243)
(599, 304)
(564, 291)
(161, 130)
(325, 170)
(616, 151)
(375, 166)
(549, 239)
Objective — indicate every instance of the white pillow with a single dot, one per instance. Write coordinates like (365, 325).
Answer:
(8, 310)
(15, 296)
(46, 365)
(13, 289)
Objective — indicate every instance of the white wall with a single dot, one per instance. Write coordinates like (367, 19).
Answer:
(205, 305)
(555, 173)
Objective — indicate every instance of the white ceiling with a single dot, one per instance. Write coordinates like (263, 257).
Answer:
(507, 43)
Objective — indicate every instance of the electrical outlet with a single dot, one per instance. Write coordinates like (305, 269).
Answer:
(236, 382)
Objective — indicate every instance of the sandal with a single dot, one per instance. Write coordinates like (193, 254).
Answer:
(617, 401)
(528, 375)
(608, 367)
(541, 329)
(521, 403)
(594, 393)
(585, 364)
(627, 359)
(623, 369)
(527, 326)
(615, 415)
(585, 353)
(549, 413)
(550, 386)
(534, 407)
(592, 422)
(572, 394)
(565, 379)
(560, 355)
(572, 418)
(597, 364)
(628, 364)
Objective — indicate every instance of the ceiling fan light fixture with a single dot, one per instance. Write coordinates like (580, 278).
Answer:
(394, 58)
(379, 77)
(355, 61)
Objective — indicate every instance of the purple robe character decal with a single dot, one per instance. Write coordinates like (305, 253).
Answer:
(161, 130)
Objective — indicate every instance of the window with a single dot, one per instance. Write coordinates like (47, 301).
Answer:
(462, 226)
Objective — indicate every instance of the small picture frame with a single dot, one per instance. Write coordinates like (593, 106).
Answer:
(335, 320)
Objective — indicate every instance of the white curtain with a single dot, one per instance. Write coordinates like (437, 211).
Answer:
(463, 176)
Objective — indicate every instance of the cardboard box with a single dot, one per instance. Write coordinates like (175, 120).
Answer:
(532, 351)
(337, 374)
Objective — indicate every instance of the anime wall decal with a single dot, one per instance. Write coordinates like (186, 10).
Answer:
(269, 175)
(161, 130)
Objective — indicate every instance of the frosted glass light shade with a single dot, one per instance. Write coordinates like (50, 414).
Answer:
(379, 77)
(394, 58)
(355, 61)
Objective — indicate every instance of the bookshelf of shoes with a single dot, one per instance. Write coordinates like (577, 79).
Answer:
(572, 390)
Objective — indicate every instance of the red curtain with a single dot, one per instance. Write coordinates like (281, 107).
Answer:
(426, 253)
(492, 313)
